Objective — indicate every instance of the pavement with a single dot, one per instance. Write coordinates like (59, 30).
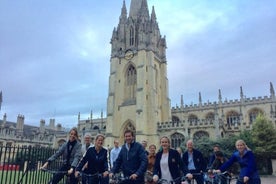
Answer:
(269, 179)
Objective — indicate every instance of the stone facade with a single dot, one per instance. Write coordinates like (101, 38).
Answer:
(20, 134)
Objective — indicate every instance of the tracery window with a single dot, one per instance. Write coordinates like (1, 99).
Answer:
(210, 117)
(176, 140)
(175, 121)
(253, 114)
(193, 119)
(200, 134)
(131, 36)
(131, 83)
(233, 119)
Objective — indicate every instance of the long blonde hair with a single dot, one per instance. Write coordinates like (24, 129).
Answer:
(240, 141)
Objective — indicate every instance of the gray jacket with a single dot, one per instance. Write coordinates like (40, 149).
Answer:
(74, 157)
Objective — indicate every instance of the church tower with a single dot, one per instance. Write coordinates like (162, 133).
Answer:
(138, 84)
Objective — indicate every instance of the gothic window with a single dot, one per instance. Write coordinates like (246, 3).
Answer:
(253, 114)
(131, 83)
(175, 121)
(233, 119)
(200, 134)
(193, 119)
(210, 117)
(96, 128)
(131, 36)
(177, 139)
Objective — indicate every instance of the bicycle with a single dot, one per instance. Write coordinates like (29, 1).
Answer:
(54, 172)
(220, 178)
(119, 179)
(176, 180)
(91, 178)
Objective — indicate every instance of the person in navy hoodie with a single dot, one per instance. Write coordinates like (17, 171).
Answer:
(248, 169)
(195, 162)
(132, 160)
(168, 164)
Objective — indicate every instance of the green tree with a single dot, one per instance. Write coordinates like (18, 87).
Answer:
(264, 137)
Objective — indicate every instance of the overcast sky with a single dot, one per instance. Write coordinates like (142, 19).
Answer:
(55, 54)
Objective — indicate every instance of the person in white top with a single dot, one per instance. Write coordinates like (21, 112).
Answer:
(114, 152)
(87, 143)
(168, 163)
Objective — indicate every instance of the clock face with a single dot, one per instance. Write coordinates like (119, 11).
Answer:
(129, 54)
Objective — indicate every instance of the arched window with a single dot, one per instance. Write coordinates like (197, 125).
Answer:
(193, 119)
(175, 121)
(131, 36)
(253, 114)
(233, 119)
(176, 140)
(200, 134)
(210, 117)
(131, 83)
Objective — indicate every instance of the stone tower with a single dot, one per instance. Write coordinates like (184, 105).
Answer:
(138, 84)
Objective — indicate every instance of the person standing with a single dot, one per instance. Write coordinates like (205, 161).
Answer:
(213, 157)
(168, 164)
(195, 162)
(96, 157)
(246, 159)
(132, 160)
(87, 143)
(151, 161)
(145, 144)
(71, 152)
(114, 152)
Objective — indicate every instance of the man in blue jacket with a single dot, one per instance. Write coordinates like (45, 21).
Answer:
(195, 162)
(131, 159)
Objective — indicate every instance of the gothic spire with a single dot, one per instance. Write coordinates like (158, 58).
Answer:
(153, 15)
(241, 92)
(144, 12)
(123, 16)
(272, 92)
(200, 99)
(219, 97)
(182, 101)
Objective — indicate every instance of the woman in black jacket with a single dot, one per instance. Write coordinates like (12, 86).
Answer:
(168, 163)
(96, 157)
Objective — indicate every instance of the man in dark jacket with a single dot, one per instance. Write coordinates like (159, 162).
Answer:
(195, 162)
(132, 160)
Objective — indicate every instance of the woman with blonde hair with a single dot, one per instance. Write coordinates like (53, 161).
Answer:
(168, 163)
(248, 169)
(96, 157)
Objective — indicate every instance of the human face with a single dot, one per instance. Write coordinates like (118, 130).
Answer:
(190, 145)
(165, 143)
(116, 144)
(128, 137)
(72, 136)
(87, 139)
(99, 141)
(240, 147)
(215, 148)
(152, 149)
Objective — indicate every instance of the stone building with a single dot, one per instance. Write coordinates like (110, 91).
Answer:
(138, 91)
(20, 134)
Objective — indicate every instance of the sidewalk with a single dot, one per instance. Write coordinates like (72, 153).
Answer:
(269, 179)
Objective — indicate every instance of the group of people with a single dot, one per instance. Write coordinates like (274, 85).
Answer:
(142, 166)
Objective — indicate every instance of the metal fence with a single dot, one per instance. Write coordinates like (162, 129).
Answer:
(20, 165)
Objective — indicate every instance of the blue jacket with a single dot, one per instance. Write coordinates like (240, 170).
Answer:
(132, 161)
(97, 162)
(247, 164)
(198, 159)
(175, 163)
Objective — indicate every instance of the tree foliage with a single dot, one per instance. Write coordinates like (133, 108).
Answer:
(264, 137)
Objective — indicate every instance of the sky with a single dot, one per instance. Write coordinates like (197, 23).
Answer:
(55, 54)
